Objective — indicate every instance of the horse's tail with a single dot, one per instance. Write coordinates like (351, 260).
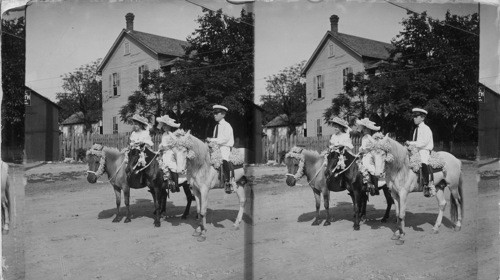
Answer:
(460, 198)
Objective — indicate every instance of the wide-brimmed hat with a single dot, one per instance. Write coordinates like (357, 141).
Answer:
(215, 107)
(368, 124)
(168, 121)
(419, 110)
(140, 119)
(339, 121)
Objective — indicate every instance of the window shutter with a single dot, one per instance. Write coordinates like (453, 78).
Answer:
(315, 83)
(110, 93)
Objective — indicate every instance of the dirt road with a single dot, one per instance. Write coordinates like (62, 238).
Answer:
(69, 235)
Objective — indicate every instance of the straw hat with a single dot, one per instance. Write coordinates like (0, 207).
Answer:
(168, 121)
(339, 121)
(140, 119)
(368, 124)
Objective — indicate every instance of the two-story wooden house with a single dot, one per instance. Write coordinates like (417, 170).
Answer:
(132, 53)
(326, 71)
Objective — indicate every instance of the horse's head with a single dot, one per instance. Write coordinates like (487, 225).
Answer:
(380, 149)
(182, 147)
(95, 161)
(294, 161)
(332, 159)
(134, 155)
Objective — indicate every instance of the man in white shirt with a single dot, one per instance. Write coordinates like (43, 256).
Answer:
(422, 139)
(223, 136)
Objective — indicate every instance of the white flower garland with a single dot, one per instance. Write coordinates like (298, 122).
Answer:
(96, 150)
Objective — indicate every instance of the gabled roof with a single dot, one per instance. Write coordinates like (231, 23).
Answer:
(488, 88)
(77, 118)
(364, 48)
(157, 46)
(43, 97)
(280, 120)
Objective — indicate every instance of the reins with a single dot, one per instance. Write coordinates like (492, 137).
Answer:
(116, 173)
(345, 169)
(156, 154)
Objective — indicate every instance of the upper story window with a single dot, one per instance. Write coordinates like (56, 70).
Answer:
(319, 85)
(114, 84)
(331, 48)
(126, 48)
(345, 73)
(115, 125)
(141, 70)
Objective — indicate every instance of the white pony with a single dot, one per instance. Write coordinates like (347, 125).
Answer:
(394, 159)
(193, 156)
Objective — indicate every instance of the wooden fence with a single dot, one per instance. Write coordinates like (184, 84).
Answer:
(275, 150)
(70, 146)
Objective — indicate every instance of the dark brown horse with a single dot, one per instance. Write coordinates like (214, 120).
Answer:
(152, 175)
(337, 177)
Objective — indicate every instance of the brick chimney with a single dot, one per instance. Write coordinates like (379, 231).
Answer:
(334, 24)
(130, 21)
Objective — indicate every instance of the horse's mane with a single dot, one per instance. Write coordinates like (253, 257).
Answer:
(111, 153)
(398, 151)
(199, 148)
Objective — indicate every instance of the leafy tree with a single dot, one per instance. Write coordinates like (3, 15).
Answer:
(217, 69)
(353, 101)
(435, 66)
(82, 94)
(287, 97)
(13, 85)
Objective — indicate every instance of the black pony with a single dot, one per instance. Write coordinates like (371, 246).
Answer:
(151, 174)
(344, 176)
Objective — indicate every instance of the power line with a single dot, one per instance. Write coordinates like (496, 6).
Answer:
(426, 67)
(444, 23)
(233, 18)
(5, 32)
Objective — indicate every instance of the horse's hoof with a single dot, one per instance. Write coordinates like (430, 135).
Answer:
(116, 220)
(5, 231)
(236, 226)
(458, 228)
(384, 220)
(157, 224)
(184, 217)
(201, 238)
(395, 237)
(316, 223)
(356, 227)
(196, 233)
(327, 223)
(400, 242)
(127, 220)
(435, 231)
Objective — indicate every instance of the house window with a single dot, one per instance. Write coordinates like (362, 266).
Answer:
(345, 73)
(115, 83)
(331, 47)
(115, 125)
(319, 84)
(126, 47)
(319, 129)
(142, 68)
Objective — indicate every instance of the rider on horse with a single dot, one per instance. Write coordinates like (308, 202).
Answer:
(169, 166)
(422, 140)
(223, 136)
(140, 135)
(367, 166)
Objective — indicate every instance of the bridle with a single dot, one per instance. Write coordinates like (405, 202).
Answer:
(102, 164)
(297, 154)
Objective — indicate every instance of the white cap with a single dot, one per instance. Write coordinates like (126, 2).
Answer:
(419, 110)
(220, 107)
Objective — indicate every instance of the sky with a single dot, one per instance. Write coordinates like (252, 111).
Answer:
(64, 36)
(289, 32)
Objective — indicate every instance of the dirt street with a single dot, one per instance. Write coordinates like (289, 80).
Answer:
(69, 234)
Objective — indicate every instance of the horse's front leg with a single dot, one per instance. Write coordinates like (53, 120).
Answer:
(326, 204)
(118, 198)
(389, 201)
(126, 198)
(5, 216)
(317, 197)
(240, 190)
(189, 198)
(442, 205)
(396, 198)
(356, 204)
(203, 213)
(401, 217)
